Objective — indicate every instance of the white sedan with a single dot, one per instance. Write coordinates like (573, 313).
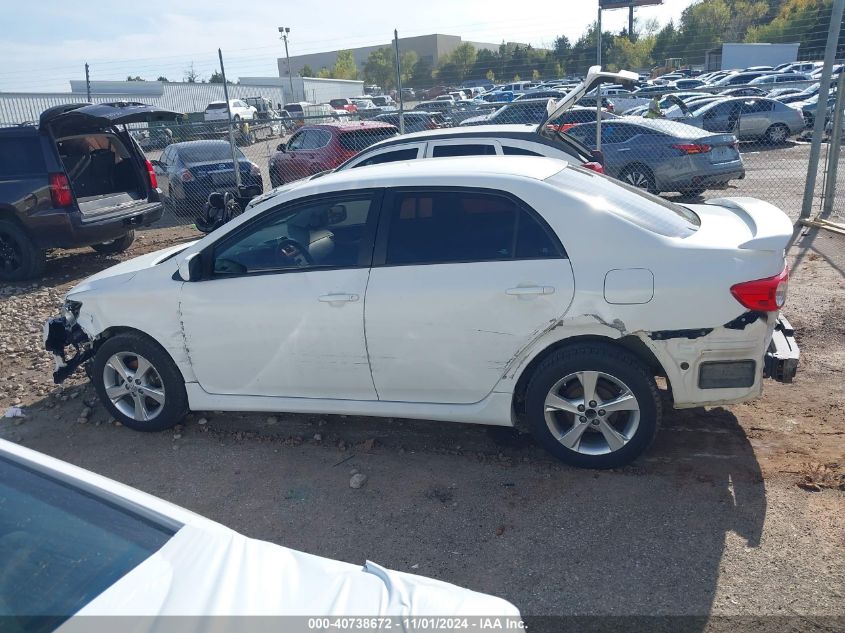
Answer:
(74, 544)
(502, 290)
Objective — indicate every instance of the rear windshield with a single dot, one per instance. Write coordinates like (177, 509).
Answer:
(337, 103)
(360, 139)
(637, 206)
(216, 106)
(293, 107)
(60, 547)
(203, 153)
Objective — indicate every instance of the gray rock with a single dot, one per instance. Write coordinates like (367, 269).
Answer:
(357, 480)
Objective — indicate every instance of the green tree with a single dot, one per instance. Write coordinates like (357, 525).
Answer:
(162, 78)
(421, 74)
(379, 68)
(324, 73)
(463, 58)
(803, 21)
(490, 75)
(306, 71)
(345, 66)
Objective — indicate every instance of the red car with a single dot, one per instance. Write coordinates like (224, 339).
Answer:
(316, 148)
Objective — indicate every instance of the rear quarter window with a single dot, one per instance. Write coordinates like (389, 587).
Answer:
(21, 157)
(361, 139)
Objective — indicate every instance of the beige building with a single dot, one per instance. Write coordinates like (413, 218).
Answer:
(429, 48)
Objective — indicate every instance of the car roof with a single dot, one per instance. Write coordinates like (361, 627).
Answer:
(350, 126)
(435, 170)
(487, 131)
(200, 143)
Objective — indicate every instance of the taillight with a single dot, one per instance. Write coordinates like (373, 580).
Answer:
(763, 295)
(693, 148)
(594, 166)
(151, 174)
(60, 192)
(186, 175)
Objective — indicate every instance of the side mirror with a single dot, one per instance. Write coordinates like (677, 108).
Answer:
(281, 147)
(190, 267)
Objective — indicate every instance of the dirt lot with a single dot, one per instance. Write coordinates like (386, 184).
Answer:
(733, 511)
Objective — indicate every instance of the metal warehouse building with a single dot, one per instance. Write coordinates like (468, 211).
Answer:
(19, 107)
(430, 48)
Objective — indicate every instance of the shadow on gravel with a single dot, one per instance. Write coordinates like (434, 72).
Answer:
(471, 505)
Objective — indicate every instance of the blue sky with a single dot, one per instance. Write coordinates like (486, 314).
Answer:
(46, 43)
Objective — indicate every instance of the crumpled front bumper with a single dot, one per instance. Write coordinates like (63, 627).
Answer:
(781, 360)
(60, 333)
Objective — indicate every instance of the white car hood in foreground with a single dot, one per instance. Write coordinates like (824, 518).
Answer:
(203, 571)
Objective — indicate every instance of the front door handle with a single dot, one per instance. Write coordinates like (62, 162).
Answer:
(338, 297)
(520, 291)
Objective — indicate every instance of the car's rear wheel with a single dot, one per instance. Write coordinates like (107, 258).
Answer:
(138, 383)
(116, 246)
(593, 405)
(639, 176)
(777, 134)
(20, 258)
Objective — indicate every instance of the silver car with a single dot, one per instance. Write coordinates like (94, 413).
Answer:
(660, 155)
(749, 119)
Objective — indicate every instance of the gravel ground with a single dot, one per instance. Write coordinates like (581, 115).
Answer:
(733, 511)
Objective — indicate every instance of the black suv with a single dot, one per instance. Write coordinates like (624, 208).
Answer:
(75, 179)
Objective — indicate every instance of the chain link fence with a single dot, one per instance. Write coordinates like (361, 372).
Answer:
(688, 147)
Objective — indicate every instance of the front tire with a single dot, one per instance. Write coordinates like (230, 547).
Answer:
(138, 383)
(593, 405)
(116, 246)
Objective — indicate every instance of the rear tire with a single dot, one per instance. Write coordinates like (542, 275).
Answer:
(116, 246)
(776, 134)
(639, 176)
(20, 258)
(138, 383)
(607, 429)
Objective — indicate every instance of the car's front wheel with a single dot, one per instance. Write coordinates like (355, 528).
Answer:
(593, 405)
(138, 382)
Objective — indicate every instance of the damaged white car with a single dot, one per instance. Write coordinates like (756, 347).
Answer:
(503, 290)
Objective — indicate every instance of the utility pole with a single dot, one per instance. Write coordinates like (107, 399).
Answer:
(235, 165)
(598, 88)
(631, 23)
(399, 82)
(285, 30)
(87, 83)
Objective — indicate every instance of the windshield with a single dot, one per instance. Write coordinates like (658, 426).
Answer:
(61, 547)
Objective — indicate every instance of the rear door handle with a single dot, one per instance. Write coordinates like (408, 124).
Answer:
(338, 298)
(530, 290)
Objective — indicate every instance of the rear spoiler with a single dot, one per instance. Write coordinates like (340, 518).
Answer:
(771, 228)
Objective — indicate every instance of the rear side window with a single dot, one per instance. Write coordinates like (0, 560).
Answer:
(436, 227)
(361, 139)
(477, 149)
(61, 547)
(390, 157)
(20, 157)
(508, 150)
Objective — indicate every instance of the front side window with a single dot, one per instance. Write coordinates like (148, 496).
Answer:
(61, 547)
(327, 232)
(315, 139)
(435, 227)
(296, 142)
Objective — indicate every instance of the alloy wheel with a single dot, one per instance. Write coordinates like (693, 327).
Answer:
(10, 254)
(134, 386)
(592, 412)
(638, 179)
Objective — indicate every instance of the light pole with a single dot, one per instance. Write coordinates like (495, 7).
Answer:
(284, 30)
